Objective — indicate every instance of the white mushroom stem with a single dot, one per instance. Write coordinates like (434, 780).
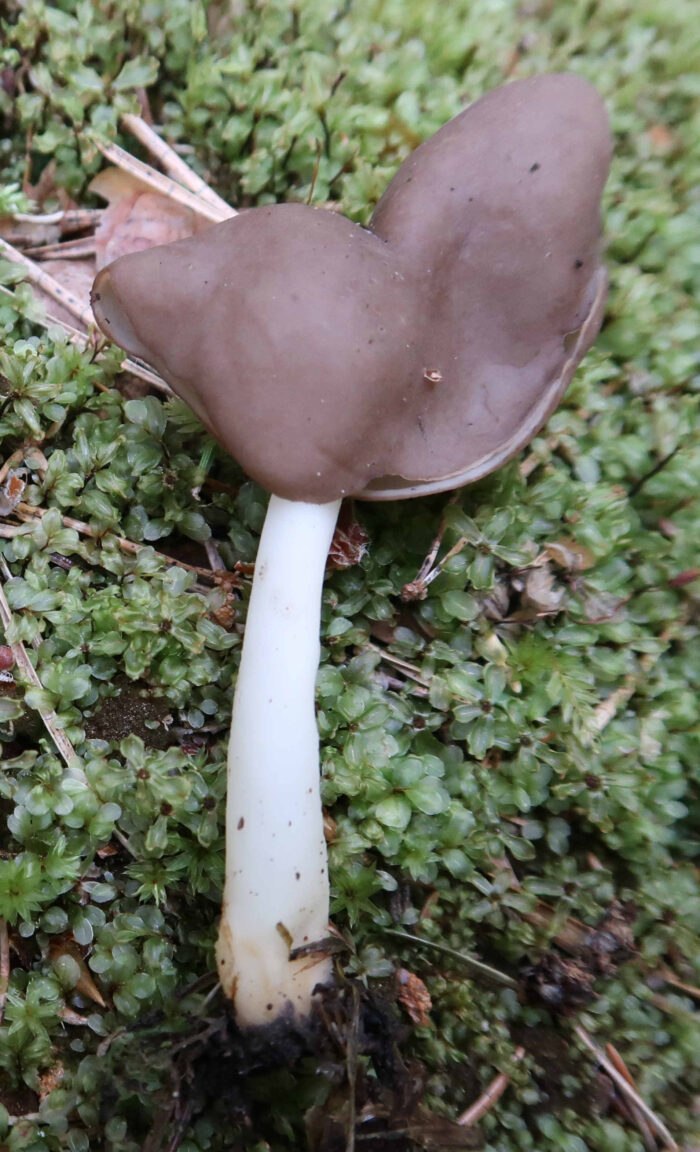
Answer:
(276, 887)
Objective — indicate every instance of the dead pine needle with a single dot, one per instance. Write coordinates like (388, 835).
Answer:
(477, 966)
(429, 571)
(4, 965)
(637, 1117)
(488, 1098)
(82, 340)
(48, 284)
(408, 670)
(50, 720)
(48, 716)
(626, 1088)
(173, 164)
(162, 184)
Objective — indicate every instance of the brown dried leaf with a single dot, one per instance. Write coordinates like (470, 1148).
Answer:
(225, 615)
(495, 603)
(662, 139)
(106, 851)
(137, 218)
(601, 606)
(350, 541)
(330, 828)
(540, 591)
(45, 187)
(414, 996)
(611, 942)
(68, 1016)
(50, 1080)
(66, 946)
(569, 554)
(11, 491)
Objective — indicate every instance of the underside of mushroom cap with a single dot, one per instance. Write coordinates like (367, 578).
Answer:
(406, 358)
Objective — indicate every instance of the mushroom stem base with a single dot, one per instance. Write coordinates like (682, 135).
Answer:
(276, 889)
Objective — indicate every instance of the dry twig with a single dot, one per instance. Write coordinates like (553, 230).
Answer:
(408, 670)
(488, 1098)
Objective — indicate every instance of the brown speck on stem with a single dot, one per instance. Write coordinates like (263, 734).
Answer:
(241, 823)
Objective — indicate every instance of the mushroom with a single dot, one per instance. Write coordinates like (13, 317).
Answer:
(331, 360)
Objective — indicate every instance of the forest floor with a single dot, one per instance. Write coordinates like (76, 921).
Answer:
(510, 758)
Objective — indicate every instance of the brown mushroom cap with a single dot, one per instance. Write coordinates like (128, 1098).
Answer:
(409, 357)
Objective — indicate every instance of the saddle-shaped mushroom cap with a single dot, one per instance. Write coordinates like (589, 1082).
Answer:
(409, 357)
(331, 360)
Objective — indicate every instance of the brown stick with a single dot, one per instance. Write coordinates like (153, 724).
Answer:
(173, 164)
(488, 1098)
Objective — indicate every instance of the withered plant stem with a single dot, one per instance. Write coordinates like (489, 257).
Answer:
(162, 184)
(173, 164)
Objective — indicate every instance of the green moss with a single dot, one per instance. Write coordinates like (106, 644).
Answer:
(470, 759)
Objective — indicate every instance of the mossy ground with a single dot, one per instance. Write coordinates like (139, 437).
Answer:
(506, 758)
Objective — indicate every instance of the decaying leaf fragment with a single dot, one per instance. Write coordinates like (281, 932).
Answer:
(414, 996)
(137, 218)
